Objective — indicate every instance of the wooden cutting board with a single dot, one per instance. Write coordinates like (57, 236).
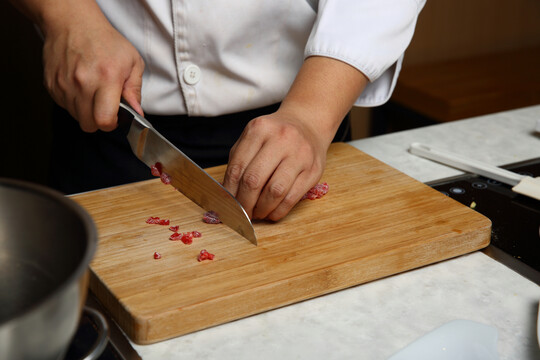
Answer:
(374, 222)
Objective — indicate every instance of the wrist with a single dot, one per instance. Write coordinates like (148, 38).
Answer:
(322, 94)
(54, 16)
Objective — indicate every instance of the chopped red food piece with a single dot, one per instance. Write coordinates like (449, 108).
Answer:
(157, 255)
(165, 178)
(187, 238)
(211, 217)
(316, 192)
(157, 220)
(174, 228)
(156, 169)
(196, 234)
(205, 255)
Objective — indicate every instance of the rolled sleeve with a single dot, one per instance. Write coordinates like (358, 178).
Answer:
(370, 35)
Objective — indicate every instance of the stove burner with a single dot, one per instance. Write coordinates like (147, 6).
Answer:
(515, 218)
(94, 321)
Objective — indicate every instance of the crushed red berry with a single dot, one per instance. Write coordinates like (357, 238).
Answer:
(317, 192)
(174, 228)
(211, 217)
(165, 178)
(156, 169)
(156, 220)
(187, 238)
(196, 234)
(205, 255)
(157, 255)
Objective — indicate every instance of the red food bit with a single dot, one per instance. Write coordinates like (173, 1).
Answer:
(157, 220)
(196, 234)
(211, 217)
(174, 228)
(156, 169)
(205, 255)
(187, 238)
(165, 178)
(157, 255)
(316, 192)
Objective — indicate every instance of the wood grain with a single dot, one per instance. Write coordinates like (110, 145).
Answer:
(374, 222)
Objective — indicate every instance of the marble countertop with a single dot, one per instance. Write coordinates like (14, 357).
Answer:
(377, 319)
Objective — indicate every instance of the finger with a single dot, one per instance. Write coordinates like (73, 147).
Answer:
(277, 188)
(81, 109)
(302, 184)
(131, 91)
(256, 176)
(241, 155)
(105, 106)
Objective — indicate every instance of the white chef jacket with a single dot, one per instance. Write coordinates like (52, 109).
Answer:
(214, 57)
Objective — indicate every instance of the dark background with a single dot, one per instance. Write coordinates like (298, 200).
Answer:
(25, 133)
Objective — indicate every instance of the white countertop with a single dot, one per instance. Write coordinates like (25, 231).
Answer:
(377, 319)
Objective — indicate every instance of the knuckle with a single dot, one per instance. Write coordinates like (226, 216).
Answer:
(288, 202)
(234, 173)
(288, 132)
(87, 126)
(276, 190)
(251, 181)
(80, 76)
(104, 121)
(257, 125)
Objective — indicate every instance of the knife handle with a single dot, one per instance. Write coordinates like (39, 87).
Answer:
(465, 164)
(126, 115)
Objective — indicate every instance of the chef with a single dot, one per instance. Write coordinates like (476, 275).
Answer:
(260, 85)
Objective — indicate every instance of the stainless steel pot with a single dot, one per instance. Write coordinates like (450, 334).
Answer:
(46, 244)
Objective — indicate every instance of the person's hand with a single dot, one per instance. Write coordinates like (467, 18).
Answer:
(89, 67)
(277, 159)
(280, 156)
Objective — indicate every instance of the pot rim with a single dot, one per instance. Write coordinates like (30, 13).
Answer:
(89, 228)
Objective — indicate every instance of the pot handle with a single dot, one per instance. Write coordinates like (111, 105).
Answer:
(103, 333)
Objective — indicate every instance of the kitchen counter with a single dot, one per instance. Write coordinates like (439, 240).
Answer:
(377, 319)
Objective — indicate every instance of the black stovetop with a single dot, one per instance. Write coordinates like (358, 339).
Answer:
(515, 218)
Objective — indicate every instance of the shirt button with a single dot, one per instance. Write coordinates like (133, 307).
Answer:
(192, 74)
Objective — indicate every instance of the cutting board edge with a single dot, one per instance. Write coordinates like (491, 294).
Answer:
(147, 329)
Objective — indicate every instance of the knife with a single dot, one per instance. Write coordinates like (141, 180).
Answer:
(186, 176)
(521, 184)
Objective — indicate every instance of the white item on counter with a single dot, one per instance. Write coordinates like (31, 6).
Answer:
(522, 184)
(538, 325)
(458, 339)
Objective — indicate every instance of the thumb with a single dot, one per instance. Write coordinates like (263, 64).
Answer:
(131, 91)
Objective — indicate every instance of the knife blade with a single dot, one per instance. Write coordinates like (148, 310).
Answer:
(186, 176)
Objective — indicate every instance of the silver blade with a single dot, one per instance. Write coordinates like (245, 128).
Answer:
(190, 179)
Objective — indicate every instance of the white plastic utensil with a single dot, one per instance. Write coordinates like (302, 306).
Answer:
(457, 339)
(522, 184)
